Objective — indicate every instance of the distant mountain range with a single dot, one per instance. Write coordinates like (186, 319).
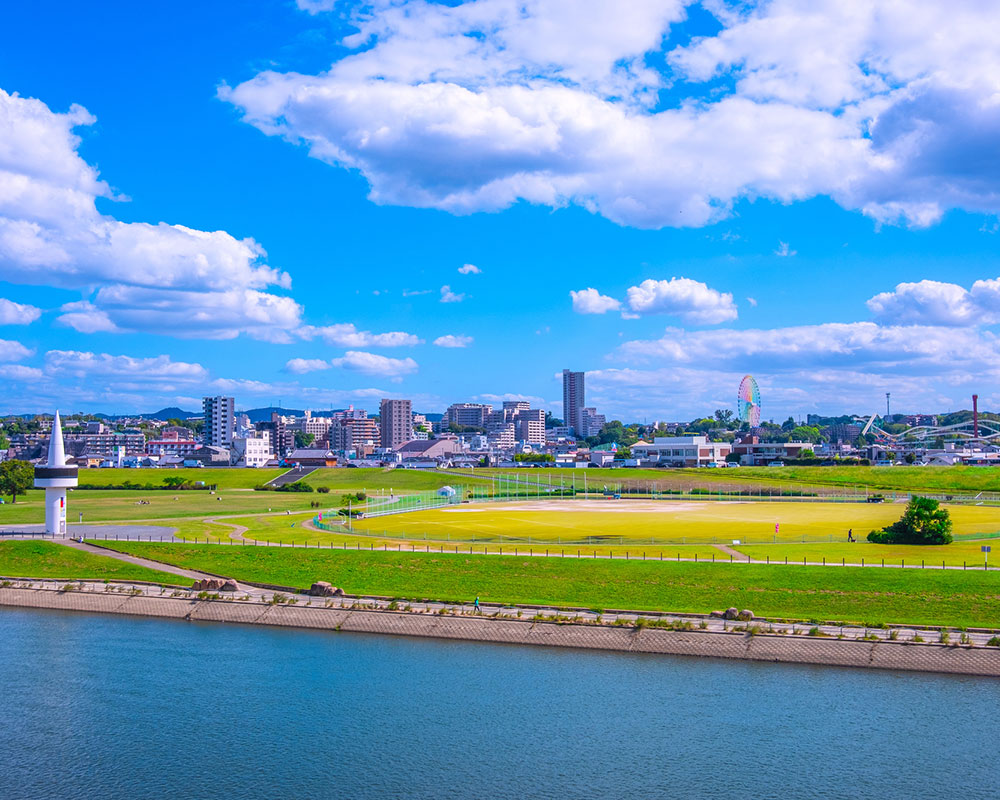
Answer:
(169, 413)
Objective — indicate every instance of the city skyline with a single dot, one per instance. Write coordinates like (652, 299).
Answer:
(288, 216)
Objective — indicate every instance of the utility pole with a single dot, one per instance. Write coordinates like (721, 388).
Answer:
(887, 394)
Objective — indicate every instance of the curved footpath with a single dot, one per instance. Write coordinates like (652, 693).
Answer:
(692, 635)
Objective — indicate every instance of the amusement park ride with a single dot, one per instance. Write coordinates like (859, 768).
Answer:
(972, 430)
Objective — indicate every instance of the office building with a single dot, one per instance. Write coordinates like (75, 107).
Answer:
(220, 421)
(396, 423)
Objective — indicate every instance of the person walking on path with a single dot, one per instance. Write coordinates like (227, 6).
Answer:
(477, 604)
(850, 534)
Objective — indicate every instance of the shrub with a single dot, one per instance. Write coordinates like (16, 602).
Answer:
(994, 642)
(323, 489)
(923, 522)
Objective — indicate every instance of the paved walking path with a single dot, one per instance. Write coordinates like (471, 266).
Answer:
(236, 531)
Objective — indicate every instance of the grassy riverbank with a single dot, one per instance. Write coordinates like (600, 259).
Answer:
(29, 559)
(850, 594)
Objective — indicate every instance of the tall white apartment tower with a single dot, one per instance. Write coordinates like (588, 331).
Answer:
(573, 400)
(396, 423)
(220, 421)
(55, 477)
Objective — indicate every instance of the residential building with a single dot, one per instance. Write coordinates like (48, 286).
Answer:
(282, 439)
(682, 451)
(171, 443)
(354, 434)
(573, 399)
(396, 423)
(529, 425)
(467, 415)
(307, 423)
(591, 423)
(108, 444)
(253, 450)
(220, 421)
(511, 408)
(502, 436)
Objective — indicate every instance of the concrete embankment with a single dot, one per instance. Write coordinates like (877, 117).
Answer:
(761, 647)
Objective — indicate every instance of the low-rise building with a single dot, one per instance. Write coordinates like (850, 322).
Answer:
(754, 453)
(171, 444)
(681, 451)
(253, 450)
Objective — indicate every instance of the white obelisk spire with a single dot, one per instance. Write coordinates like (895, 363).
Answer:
(55, 478)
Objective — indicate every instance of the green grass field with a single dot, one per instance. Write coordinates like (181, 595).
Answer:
(28, 559)
(222, 477)
(849, 594)
(681, 522)
(902, 479)
(115, 506)
(400, 481)
(956, 554)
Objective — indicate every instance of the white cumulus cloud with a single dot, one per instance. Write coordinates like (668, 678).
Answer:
(448, 296)
(937, 303)
(374, 364)
(688, 299)
(451, 340)
(12, 313)
(13, 351)
(51, 233)
(888, 108)
(591, 301)
(300, 366)
(346, 334)
(469, 269)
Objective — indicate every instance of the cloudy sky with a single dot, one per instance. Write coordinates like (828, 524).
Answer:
(325, 202)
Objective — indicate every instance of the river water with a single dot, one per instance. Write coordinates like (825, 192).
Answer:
(106, 706)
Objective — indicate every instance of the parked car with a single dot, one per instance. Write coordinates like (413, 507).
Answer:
(776, 464)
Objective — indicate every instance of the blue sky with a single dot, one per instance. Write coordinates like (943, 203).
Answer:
(281, 204)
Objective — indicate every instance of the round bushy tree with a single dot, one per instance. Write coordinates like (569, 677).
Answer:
(923, 522)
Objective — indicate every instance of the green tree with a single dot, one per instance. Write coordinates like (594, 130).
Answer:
(16, 477)
(174, 481)
(724, 416)
(303, 439)
(807, 452)
(923, 522)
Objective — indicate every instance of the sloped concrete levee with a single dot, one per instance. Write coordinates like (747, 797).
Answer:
(736, 645)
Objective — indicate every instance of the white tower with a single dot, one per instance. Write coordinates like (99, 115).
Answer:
(55, 478)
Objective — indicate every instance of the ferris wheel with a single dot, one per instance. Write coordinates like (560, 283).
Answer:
(748, 401)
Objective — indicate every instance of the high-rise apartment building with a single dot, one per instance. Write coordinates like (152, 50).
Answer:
(220, 421)
(396, 423)
(573, 400)
(529, 425)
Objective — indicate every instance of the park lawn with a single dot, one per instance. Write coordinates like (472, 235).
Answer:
(400, 481)
(849, 594)
(677, 522)
(38, 559)
(224, 478)
(284, 529)
(903, 479)
(956, 554)
(119, 505)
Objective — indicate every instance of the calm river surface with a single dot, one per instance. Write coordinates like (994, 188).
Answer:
(110, 707)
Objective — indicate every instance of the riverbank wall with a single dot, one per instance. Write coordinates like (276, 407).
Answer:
(736, 645)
